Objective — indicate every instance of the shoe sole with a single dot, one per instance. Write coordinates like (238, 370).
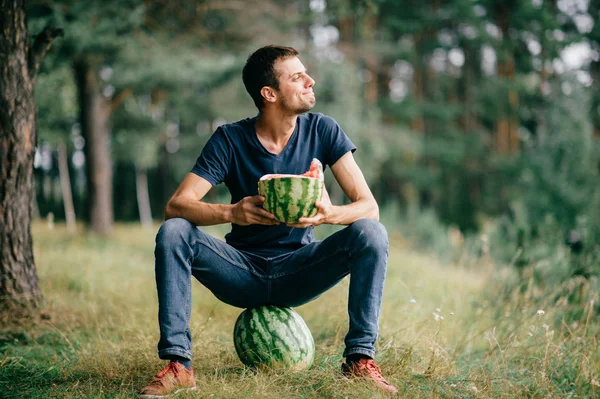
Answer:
(351, 379)
(166, 396)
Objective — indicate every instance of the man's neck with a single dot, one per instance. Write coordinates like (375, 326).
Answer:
(275, 129)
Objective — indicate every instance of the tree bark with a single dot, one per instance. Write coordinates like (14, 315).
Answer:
(65, 185)
(507, 125)
(19, 288)
(143, 198)
(94, 112)
(371, 87)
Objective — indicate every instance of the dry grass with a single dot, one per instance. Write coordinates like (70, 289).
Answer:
(440, 336)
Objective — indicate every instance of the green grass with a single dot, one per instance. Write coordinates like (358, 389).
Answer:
(100, 338)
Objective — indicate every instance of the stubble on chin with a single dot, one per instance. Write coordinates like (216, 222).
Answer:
(303, 107)
(307, 106)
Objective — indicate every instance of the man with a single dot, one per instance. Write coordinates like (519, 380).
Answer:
(264, 261)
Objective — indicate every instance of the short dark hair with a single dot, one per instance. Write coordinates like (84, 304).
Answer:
(259, 70)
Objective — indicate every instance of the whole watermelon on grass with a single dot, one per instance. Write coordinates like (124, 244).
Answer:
(290, 197)
(274, 337)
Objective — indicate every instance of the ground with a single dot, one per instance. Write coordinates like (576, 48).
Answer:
(446, 332)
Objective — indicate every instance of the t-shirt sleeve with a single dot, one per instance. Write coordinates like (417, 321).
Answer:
(214, 160)
(336, 142)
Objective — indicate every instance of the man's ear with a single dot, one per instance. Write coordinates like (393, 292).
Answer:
(268, 94)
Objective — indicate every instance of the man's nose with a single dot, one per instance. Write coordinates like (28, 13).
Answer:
(310, 81)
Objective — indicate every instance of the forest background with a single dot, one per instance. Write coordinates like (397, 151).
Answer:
(481, 116)
(475, 112)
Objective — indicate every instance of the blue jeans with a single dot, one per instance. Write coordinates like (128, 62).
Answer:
(245, 280)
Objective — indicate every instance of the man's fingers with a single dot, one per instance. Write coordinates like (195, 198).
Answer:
(263, 213)
(315, 219)
(306, 222)
(267, 221)
(257, 199)
(263, 217)
(298, 225)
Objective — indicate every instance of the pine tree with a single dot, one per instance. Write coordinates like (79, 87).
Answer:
(20, 59)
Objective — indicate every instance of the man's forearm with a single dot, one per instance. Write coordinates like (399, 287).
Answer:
(347, 214)
(198, 212)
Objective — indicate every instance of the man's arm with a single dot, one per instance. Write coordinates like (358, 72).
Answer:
(351, 179)
(187, 203)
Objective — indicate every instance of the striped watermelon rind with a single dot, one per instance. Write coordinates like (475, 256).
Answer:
(291, 197)
(275, 337)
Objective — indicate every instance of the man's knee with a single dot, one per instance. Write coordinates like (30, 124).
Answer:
(173, 231)
(371, 233)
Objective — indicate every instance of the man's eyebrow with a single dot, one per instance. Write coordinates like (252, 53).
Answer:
(298, 73)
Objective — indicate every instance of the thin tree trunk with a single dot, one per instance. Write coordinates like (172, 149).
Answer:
(143, 198)
(94, 112)
(165, 178)
(347, 29)
(595, 108)
(425, 77)
(507, 125)
(65, 185)
(467, 81)
(19, 288)
(418, 122)
(371, 88)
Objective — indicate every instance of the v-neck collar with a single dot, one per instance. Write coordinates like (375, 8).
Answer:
(262, 147)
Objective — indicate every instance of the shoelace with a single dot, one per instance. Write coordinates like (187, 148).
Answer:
(372, 369)
(170, 368)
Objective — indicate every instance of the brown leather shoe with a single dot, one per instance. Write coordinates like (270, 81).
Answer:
(170, 380)
(367, 369)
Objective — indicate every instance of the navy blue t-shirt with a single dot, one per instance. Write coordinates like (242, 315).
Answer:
(235, 156)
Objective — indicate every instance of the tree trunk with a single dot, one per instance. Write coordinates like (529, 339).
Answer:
(165, 178)
(507, 125)
(595, 109)
(143, 198)
(19, 289)
(65, 185)
(418, 122)
(371, 87)
(468, 121)
(94, 112)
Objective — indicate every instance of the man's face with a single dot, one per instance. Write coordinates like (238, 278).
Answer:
(295, 92)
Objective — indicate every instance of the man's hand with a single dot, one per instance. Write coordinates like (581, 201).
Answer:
(323, 216)
(249, 211)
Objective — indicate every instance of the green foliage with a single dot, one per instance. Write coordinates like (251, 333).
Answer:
(557, 195)
(182, 63)
(425, 232)
(561, 168)
(56, 101)
(342, 100)
(91, 28)
(136, 133)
